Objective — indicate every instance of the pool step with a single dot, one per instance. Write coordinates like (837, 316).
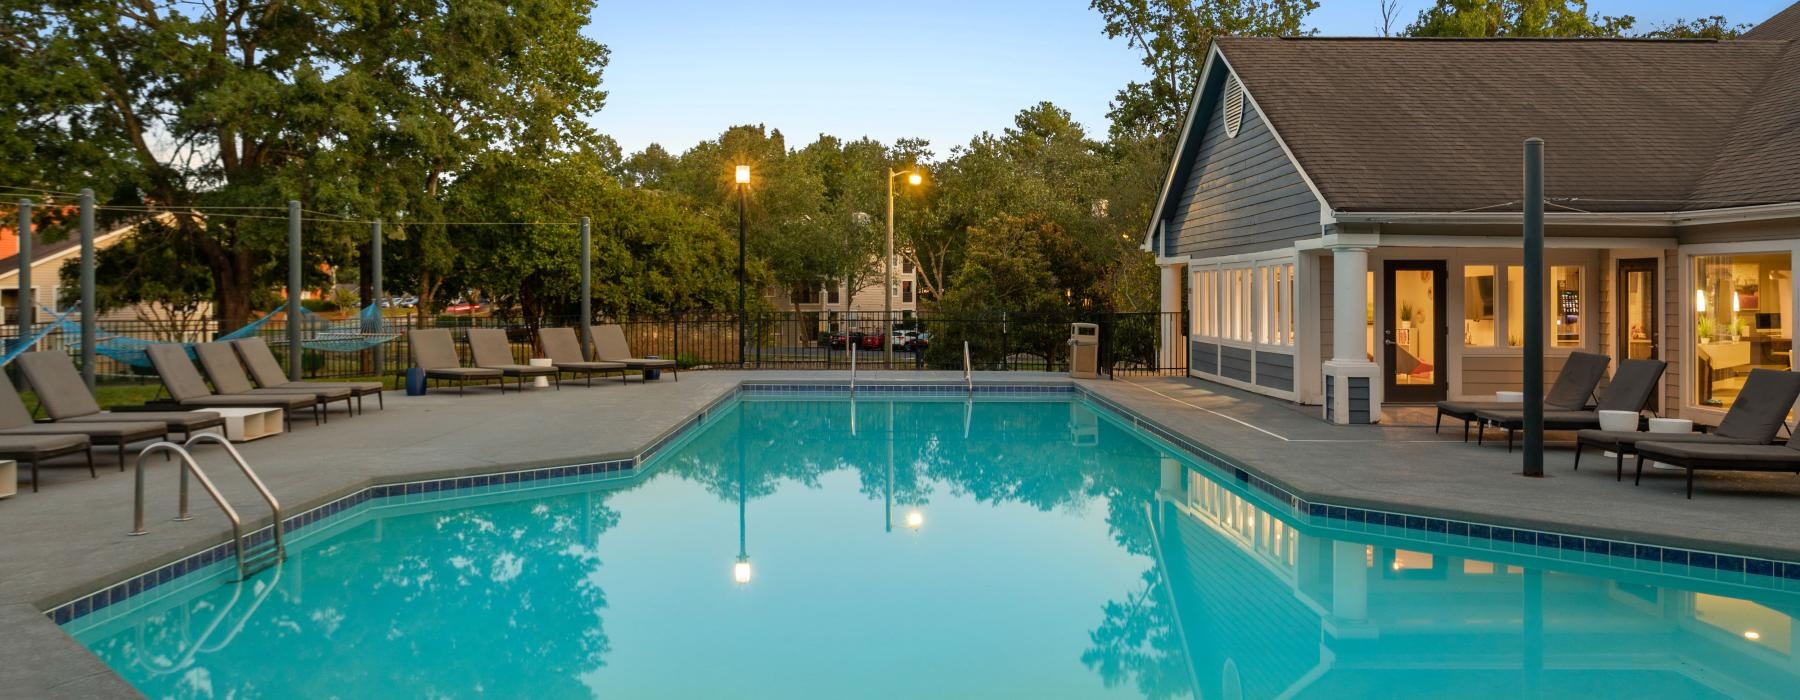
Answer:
(259, 557)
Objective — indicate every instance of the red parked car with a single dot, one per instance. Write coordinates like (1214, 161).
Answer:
(864, 340)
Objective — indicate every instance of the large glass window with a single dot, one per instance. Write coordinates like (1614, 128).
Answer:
(1742, 307)
(1515, 305)
(1480, 308)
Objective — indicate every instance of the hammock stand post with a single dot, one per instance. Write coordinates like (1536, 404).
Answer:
(587, 286)
(374, 325)
(27, 305)
(88, 322)
(293, 291)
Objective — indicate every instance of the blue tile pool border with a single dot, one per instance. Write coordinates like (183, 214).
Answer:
(1551, 543)
(1346, 518)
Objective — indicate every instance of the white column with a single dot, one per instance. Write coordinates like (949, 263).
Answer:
(1350, 303)
(1349, 581)
(1352, 381)
(1174, 344)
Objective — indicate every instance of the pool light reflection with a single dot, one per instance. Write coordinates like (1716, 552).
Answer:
(740, 572)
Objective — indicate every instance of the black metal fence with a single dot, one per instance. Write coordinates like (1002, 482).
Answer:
(770, 340)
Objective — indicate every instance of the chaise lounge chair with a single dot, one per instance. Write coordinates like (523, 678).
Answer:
(1695, 456)
(268, 375)
(1754, 419)
(32, 449)
(491, 351)
(564, 351)
(65, 397)
(227, 374)
(435, 352)
(15, 419)
(1630, 390)
(187, 388)
(610, 346)
(1574, 384)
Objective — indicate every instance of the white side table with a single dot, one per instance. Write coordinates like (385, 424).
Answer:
(9, 478)
(1669, 425)
(1509, 396)
(541, 382)
(1618, 421)
(246, 423)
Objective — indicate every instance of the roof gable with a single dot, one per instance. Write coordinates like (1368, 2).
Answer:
(1784, 26)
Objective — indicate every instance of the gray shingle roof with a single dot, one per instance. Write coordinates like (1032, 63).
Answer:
(1437, 125)
(1784, 26)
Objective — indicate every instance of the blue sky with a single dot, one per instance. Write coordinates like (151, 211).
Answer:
(945, 70)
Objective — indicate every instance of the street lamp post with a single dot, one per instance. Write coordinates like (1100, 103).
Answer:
(743, 182)
(887, 266)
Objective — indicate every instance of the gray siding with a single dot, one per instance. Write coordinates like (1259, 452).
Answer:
(1234, 363)
(1203, 357)
(1275, 371)
(1243, 194)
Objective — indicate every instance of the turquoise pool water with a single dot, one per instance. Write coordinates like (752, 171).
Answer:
(927, 548)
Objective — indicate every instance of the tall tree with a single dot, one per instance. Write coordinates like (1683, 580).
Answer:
(1516, 18)
(1714, 27)
(1172, 37)
(349, 107)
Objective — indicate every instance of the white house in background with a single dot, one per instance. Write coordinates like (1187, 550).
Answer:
(829, 297)
(1341, 219)
(46, 276)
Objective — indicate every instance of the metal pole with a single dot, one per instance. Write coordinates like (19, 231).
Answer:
(88, 321)
(26, 300)
(380, 296)
(293, 291)
(740, 274)
(887, 281)
(587, 284)
(1534, 307)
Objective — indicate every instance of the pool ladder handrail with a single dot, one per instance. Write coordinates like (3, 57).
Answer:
(853, 355)
(247, 563)
(968, 376)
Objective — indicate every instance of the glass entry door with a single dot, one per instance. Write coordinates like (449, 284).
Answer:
(1638, 323)
(1413, 342)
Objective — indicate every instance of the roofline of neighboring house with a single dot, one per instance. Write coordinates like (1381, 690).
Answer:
(66, 251)
(1692, 217)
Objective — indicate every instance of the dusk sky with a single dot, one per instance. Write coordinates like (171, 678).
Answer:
(945, 70)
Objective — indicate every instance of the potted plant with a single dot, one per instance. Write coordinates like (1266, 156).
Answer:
(1704, 328)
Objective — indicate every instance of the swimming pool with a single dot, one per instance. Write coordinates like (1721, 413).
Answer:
(803, 546)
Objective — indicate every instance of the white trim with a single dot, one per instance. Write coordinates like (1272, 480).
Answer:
(1757, 212)
(1375, 240)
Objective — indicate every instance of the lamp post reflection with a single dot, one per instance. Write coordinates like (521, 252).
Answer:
(741, 572)
(914, 518)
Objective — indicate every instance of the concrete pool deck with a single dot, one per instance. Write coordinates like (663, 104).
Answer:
(70, 538)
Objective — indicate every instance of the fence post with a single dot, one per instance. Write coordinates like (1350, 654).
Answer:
(677, 334)
(88, 322)
(293, 292)
(1003, 343)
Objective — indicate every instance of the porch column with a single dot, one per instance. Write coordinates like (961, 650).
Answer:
(1174, 342)
(1352, 382)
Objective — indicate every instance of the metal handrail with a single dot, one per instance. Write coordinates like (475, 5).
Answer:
(268, 496)
(853, 354)
(187, 461)
(968, 376)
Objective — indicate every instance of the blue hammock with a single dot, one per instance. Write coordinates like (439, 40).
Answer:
(127, 350)
(356, 334)
(17, 346)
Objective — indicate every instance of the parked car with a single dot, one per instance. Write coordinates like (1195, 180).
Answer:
(907, 340)
(862, 339)
(869, 341)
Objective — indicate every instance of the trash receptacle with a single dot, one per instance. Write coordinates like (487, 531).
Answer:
(1084, 351)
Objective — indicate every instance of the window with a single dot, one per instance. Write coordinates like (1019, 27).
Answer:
(1515, 301)
(1741, 306)
(1479, 306)
(1565, 306)
(906, 290)
(1251, 304)
(832, 293)
(906, 265)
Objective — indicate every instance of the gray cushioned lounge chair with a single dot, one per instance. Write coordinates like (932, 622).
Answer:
(1755, 418)
(15, 419)
(268, 375)
(610, 346)
(1696, 456)
(1573, 387)
(187, 388)
(226, 371)
(32, 449)
(435, 352)
(491, 351)
(65, 397)
(564, 351)
(1630, 390)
